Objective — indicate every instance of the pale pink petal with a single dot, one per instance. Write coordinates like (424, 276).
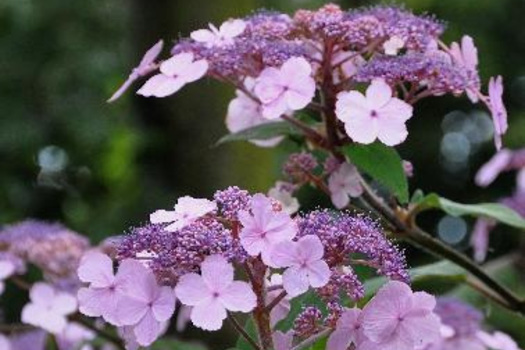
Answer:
(268, 85)
(160, 86)
(275, 109)
(318, 273)
(282, 341)
(176, 65)
(147, 330)
(378, 94)
(64, 304)
(151, 55)
(420, 331)
(217, 272)
(310, 248)
(470, 52)
(130, 310)
(296, 67)
(97, 269)
(92, 301)
(203, 36)
(164, 306)
(7, 268)
(424, 302)
(351, 104)
(480, 238)
(362, 129)
(191, 289)
(490, 170)
(391, 131)
(183, 317)
(238, 296)
(137, 280)
(232, 28)
(124, 87)
(196, 71)
(300, 96)
(339, 340)
(284, 254)
(279, 312)
(209, 316)
(396, 109)
(42, 293)
(339, 198)
(162, 216)
(295, 281)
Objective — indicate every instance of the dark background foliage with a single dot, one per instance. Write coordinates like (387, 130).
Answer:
(67, 155)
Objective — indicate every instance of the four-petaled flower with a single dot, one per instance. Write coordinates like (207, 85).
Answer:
(377, 115)
(146, 65)
(48, 308)
(344, 183)
(175, 72)
(497, 107)
(187, 210)
(144, 304)
(264, 228)
(213, 293)
(398, 319)
(304, 262)
(290, 87)
(222, 36)
(105, 288)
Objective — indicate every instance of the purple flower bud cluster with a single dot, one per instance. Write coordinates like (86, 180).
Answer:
(308, 322)
(299, 165)
(232, 201)
(52, 247)
(342, 281)
(434, 72)
(344, 235)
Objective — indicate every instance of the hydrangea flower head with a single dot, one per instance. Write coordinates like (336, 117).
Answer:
(344, 183)
(145, 66)
(376, 115)
(48, 308)
(175, 72)
(264, 227)
(304, 262)
(213, 293)
(144, 304)
(222, 36)
(399, 319)
(187, 210)
(497, 107)
(290, 87)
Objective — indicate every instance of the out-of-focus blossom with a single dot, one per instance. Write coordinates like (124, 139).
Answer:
(73, 336)
(264, 227)
(290, 87)
(377, 115)
(498, 341)
(213, 293)
(244, 113)
(466, 55)
(7, 268)
(348, 331)
(175, 72)
(187, 210)
(5, 343)
(398, 319)
(183, 317)
(304, 262)
(144, 304)
(222, 36)
(146, 66)
(283, 194)
(480, 238)
(497, 107)
(495, 166)
(48, 308)
(343, 184)
(30, 340)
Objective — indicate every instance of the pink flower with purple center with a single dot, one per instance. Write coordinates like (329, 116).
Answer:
(288, 88)
(213, 293)
(222, 36)
(343, 184)
(376, 115)
(264, 227)
(304, 262)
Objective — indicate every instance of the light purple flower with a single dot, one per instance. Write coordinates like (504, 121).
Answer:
(187, 210)
(498, 110)
(480, 238)
(377, 115)
(73, 336)
(175, 72)
(466, 56)
(348, 331)
(146, 65)
(281, 193)
(222, 36)
(101, 297)
(490, 170)
(304, 262)
(398, 319)
(48, 308)
(283, 341)
(290, 87)
(7, 269)
(344, 183)
(5, 343)
(497, 341)
(244, 113)
(213, 293)
(144, 304)
(263, 228)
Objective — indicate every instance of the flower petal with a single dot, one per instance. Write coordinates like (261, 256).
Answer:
(217, 272)
(191, 289)
(238, 296)
(160, 85)
(97, 269)
(164, 306)
(378, 94)
(209, 316)
(147, 330)
(318, 273)
(295, 281)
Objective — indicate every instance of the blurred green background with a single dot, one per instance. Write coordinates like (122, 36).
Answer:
(67, 155)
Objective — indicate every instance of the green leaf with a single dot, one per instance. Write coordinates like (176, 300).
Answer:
(383, 164)
(251, 329)
(495, 211)
(260, 132)
(297, 305)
